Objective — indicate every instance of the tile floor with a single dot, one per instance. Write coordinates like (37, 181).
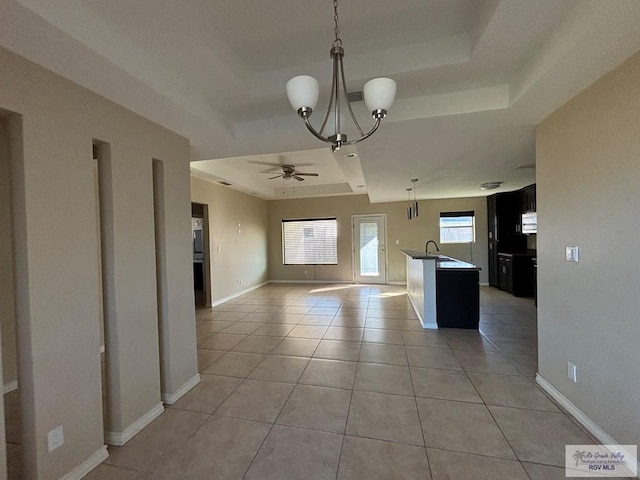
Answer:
(340, 382)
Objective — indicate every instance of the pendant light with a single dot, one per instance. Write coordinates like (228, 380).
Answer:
(409, 210)
(415, 202)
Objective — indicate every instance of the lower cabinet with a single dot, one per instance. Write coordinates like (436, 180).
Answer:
(515, 274)
(505, 273)
(457, 298)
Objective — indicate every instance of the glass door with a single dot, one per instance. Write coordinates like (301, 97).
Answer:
(369, 244)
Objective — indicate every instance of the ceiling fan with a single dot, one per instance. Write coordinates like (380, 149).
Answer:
(289, 172)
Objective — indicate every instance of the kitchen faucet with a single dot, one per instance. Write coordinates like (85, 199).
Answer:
(426, 247)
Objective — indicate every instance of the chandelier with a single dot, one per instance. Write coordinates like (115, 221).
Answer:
(303, 92)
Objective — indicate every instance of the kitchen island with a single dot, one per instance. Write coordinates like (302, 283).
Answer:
(444, 292)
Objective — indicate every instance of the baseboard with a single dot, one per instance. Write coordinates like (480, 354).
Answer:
(592, 427)
(323, 282)
(120, 438)
(483, 284)
(89, 464)
(222, 300)
(171, 398)
(10, 386)
(341, 282)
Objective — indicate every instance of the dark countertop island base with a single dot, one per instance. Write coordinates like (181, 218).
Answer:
(458, 298)
(451, 299)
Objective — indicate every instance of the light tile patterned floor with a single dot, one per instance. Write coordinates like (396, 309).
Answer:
(340, 382)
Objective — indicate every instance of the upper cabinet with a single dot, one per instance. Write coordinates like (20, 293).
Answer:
(528, 199)
(504, 222)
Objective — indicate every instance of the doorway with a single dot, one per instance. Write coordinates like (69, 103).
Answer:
(369, 248)
(101, 159)
(200, 243)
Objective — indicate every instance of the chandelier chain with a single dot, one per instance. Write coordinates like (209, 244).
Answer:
(336, 29)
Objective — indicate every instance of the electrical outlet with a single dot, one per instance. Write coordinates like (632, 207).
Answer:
(305, 272)
(55, 438)
(572, 372)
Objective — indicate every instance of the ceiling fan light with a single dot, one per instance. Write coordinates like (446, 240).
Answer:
(379, 93)
(303, 91)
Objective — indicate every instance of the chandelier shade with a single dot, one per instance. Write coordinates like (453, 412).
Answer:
(379, 94)
(303, 93)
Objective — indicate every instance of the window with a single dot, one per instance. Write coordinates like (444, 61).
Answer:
(457, 227)
(310, 242)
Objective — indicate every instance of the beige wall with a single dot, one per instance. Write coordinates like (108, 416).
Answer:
(55, 256)
(411, 234)
(237, 238)
(588, 183)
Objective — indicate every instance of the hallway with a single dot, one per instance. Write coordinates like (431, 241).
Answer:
(340, 381)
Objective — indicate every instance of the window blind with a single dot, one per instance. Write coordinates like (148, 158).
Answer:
(457, 227)
(312, 241)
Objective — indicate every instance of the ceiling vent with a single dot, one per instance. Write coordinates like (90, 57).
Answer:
(222, 182)
(355, 96)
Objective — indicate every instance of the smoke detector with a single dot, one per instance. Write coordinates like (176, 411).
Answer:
(490, 185)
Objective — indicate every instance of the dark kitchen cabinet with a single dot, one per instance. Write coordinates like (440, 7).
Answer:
(505, 274)
(527, 204)
(457, 298)
(528, 199)
(516, 274)
(504, 218)
(493, 244)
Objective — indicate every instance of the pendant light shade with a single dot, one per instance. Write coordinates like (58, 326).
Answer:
(379, 94)
(415, 202)
(303, 91)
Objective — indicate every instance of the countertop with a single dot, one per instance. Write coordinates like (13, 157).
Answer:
(442, 261)
(506, 254)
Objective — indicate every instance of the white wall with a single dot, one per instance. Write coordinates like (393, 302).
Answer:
(411, 234)
(588, 184)
(237, 238)
(56, 255)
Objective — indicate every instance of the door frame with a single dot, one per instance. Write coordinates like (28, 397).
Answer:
(353, 243)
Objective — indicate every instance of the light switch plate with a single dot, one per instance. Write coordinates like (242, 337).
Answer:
(55, 438)
(572, 372)
(571, 254)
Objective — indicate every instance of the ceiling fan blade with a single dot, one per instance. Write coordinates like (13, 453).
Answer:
(307, 174)
(275, 170)
(277, 176)
(298, 178)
